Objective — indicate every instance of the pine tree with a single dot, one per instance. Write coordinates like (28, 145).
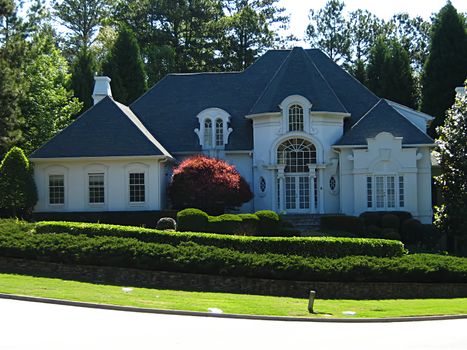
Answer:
(359, 72)
(446, 66)
(126, 68)
(16, 182)
(375, 69)
(82, 78)
(452, 145)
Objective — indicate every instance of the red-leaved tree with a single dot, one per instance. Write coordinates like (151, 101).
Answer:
(209, 184)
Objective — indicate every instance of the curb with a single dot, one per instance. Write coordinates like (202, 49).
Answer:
(231, 316)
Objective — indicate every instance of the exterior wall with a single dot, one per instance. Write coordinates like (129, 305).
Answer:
(115, 178)
(385, 156)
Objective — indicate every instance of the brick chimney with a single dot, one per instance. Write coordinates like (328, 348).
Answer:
(101, 89)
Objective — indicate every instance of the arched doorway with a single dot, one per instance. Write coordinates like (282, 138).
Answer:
(297, 183)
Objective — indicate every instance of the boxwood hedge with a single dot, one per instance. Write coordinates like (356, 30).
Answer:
(194, 258)
(330, 247)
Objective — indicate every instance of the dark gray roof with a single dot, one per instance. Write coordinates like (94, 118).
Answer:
(383, 117)
(106, 129)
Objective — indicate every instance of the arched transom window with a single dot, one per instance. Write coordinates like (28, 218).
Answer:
(208, 132)
(219, 132)
(295, 118)
(296, 154)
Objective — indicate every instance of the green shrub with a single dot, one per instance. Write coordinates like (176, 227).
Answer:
(166, 224)
(371, 218)
(390, 221)
(430, 236)
(269, 222)
(192, 219)
(351, 224)
(225, 223)
(390, 233)
(193, 258)
(374, 231)
(411, 231)
(249, 225)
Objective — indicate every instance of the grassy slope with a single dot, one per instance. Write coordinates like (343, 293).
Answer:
(229, 303)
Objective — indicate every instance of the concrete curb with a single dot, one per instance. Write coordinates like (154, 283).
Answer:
(232, 316)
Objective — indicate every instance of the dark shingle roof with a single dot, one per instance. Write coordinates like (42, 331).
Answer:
(106, 129)
(383, 117)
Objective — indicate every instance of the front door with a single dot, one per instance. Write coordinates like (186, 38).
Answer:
(385, 192)
(297, 193)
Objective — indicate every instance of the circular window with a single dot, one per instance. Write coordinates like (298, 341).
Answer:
(262, 184)
(333, 184)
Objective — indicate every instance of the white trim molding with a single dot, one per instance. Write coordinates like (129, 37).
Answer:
(213, 115)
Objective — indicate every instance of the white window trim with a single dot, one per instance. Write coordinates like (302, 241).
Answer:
(289, 102)
(136, 168)
(213, 114)
(56, 170)
(397, 206)
(96, 169)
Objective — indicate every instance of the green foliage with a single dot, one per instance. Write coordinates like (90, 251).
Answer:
(411, 231)
(82, 81)
(225, 223)
(6, 7)
(390, 221)
(351, 224)
(304, 246)
(250, 224)
(47, 104)
(269, 222)
(446, 66)
(451, 217)
(192, 219)
(17, 187)
(126, 69)
(195, 258)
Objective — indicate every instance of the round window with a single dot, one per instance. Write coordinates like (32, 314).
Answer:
(262, 184)
(332, 183)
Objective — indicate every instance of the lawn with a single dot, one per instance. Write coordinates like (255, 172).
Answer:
(229, 303)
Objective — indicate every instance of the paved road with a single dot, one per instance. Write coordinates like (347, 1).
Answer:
(30, 325)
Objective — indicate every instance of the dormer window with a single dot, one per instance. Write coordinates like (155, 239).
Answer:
(213, 132)
(295, 118)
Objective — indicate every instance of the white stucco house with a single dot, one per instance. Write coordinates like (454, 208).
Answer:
(307, 137)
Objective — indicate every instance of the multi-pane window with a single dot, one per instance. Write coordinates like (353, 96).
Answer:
(369, 191)
(208, 132)
(401, 192)
(137, 188)
(296, 154)
(56, 189)
(96, 188)
(296, 118)
(219, 132)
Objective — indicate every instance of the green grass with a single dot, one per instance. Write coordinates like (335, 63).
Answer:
(229, 303)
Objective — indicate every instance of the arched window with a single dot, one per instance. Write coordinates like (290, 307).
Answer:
(296, 154)
(219, 132)
(208, 132)
(295, 118)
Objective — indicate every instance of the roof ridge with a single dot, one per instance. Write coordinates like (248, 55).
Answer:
(366, 114)
(270, 81)
(326, 81)
(140, 126)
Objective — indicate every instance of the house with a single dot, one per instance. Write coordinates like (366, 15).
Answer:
(306, 136)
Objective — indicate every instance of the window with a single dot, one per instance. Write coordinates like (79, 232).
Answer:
(296, 154)
(219, 132)
(295, 118)
(56, 189)
(96, 188)
(137, 188)
(388, 192)
(332, 183)
(262, 184)
(207, 133)
(369, 192)
(401, 192)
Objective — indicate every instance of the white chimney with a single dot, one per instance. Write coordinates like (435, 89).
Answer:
(460, 91)
(101, 89)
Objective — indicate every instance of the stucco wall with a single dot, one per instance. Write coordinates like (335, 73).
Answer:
(116, 183)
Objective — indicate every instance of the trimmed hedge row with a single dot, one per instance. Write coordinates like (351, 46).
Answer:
(330, 247)
(193, 258)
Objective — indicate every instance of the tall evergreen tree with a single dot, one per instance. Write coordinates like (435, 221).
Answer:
(359, 72)
(126, 68)
(375, 69)
(446, 66)
(329, 31)
(83, 69)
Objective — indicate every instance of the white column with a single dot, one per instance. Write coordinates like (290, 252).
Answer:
(281, 194)
(312, 175)
(320, 191)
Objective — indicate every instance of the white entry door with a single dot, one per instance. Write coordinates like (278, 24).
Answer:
(385, 192)
(297, 193)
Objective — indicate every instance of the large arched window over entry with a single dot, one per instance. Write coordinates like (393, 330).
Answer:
(295, 118)
(296, 154)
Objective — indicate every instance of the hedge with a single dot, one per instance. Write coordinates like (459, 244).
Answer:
(193, 258)
(331, 247)
(351, 224)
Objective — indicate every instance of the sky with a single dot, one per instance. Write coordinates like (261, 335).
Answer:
(299, 9)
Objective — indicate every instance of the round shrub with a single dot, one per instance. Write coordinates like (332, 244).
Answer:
(430, 235)
(166, 224)
(269, 222)
(371, 218)
(373, 231)
(411, 231)
(390, 221)
(350, 224)
(225, 223)
(389, 233)
(192, 219)
(249, 225)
